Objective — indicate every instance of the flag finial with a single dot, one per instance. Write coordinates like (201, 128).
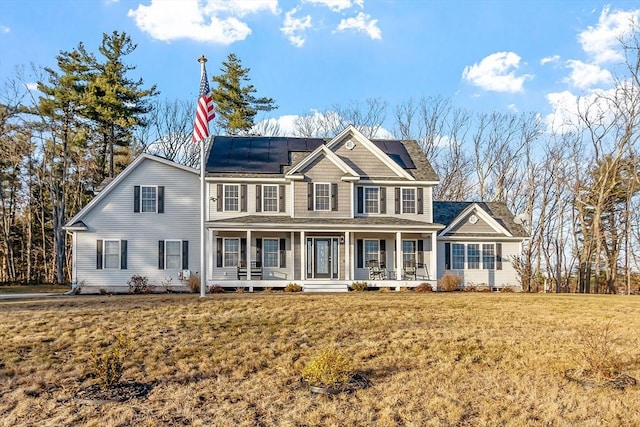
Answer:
(202, 59)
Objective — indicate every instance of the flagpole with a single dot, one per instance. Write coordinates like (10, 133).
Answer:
(203, 267)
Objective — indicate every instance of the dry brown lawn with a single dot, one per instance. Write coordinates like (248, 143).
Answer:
(235, 359)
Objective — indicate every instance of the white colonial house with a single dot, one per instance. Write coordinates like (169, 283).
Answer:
(316, 212)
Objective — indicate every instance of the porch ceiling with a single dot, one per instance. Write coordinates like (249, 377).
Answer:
(259, 222)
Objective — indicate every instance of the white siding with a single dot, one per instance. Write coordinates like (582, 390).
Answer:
(113, 218)
(505, 277)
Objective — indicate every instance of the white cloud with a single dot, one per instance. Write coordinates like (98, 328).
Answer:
(513, 107)
(294, 28)
(567, 108)
(585, 75)
(4, 29)
(549, 59)
(209, 21)
(496, 73)
(601, 42)
(361, 23)
(32, 86)
(337, 5)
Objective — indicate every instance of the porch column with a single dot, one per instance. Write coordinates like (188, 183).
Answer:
(347, 255)
(303, 256)
(208, 254)
(248, 260)
(292, 269)
(433, 256)
(399, 256)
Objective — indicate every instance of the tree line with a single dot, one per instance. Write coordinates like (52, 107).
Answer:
(574, 186)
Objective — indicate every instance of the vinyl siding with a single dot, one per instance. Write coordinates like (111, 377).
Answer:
(322, 170)
(479, 227)
(365, 163)
(506, 276)
(113, 219)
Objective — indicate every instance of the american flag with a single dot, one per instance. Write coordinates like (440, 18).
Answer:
(204, 110)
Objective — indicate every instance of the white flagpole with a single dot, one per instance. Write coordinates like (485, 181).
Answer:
(203, 263)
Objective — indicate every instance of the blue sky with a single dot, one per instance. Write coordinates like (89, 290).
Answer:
(308, 55)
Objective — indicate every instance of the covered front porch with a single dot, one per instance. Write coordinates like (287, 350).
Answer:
(320, 257)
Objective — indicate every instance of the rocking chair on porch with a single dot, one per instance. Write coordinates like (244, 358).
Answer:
(375, 271)
(409, 271)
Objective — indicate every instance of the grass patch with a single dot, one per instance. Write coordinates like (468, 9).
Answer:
(33, 289)
(237, 359)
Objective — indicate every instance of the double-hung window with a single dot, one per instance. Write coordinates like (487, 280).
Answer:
(371, 200)
(271, 252)
(408, 200)
(322, 193)
(112, 254)
(409, 250)
(371, 251)
(488, 256)
(148, 199)
(231, 252)
(473, 256)
(173, 254)
(270, 198)
(457, 256)
(231, 197)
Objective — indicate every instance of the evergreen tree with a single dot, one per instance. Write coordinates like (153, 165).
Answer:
(236, 105)
(115, 103)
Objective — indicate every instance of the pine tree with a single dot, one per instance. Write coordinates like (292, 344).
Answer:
(115, 103)
(236, 105)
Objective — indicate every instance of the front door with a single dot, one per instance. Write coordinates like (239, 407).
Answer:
(322, 258)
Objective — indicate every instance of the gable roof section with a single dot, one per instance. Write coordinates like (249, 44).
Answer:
(271, 157)
(72, 223)
(495, 213)
(323, 150)
(351, 131)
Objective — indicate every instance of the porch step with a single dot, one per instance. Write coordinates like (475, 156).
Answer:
(325, 287)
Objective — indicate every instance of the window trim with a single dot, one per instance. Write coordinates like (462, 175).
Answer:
(104, 254)
(315, 196)
(415, 200)
(224, 251)
(481, 256)
(276, 252)
(142, 187)
(364, 251)
(166, 254)
(225, 198)
(364, 199)
(276, 199)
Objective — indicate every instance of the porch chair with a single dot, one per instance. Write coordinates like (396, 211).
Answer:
(409, 270)
(375, 271)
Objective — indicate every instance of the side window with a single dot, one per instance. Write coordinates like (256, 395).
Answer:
(148, 198)
(270, 198)
(231, 198)
(322, 193)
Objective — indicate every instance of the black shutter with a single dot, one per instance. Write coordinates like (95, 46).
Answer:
(383, 251)
(498, 256)
(258, 198)
(243, 198)
(420, 203)
(334, 197)
(136, 198)
(220, 198)
(160, 254)
(160, 199)
(99, 254)
(360, 252)
(281, 193)
(123, 254)
(258, 252)
(420, 252)
(360, 200)
(283, 253)
(398, 197)
(219, 252)
(185, 254)
(447, 256)
(243, 252)
(310, 196)
(383, 200)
